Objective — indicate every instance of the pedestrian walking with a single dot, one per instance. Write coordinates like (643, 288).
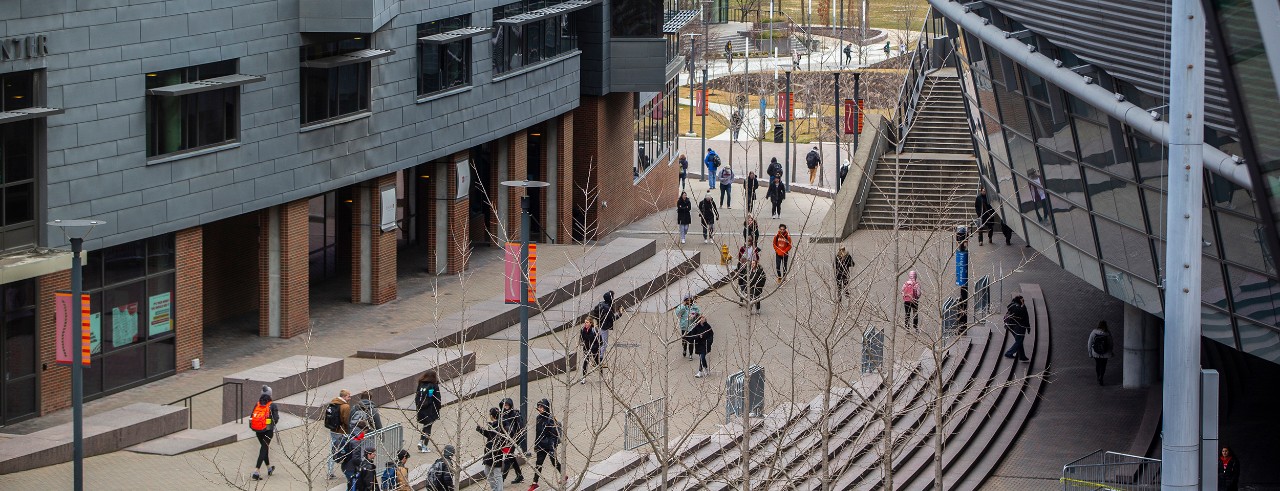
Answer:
(776, 194)
(684, 171)
(427, 402)
(782, 251)
(728, 54)
(1100, 347)
(605, 314)
(364, 410)
(1007, 231)
(353, 452)
(687, 314)
(848, 54)
(336, 417)
(751, 184)
(886, 49)
(589, 339)
(701, 335)
(1228, 470)
(366, 473)
(440, 474)
(263, 423)
(708, 213)
(1017, 322)
(493, 445)
(725, 177)
(545, 442)
(813, 160)
(911, 300)
(774, 170)
(844, 262)
(1039, 199)
(755, 283)
(750, 230)
(395, 477)
(684, 215)
(984, 216)
(749, 252)
(512, 424)
(712, 162)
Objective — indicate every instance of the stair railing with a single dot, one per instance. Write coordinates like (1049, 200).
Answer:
(189, 402)
(1112, 470)
(918, 67)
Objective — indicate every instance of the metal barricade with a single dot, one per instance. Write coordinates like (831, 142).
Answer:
(645, 424)
(744, 392)
(950, 316)
(386, 442)
(872, 350)
(982, 297)
(1112, 470)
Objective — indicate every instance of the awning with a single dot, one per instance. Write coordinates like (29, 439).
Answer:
(674, 20)
(348, 58)
(215, 83)
(554, 10)
(28, 113)
(454, 35)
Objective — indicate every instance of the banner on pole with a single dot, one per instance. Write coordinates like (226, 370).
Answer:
(786, 106)
(511, 267)
(700, 102)
(853, 116)
(962, 268)
(65, 346)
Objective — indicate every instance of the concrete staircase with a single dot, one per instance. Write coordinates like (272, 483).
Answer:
(932, 181)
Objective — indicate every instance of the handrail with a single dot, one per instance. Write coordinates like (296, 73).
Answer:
(188, 401)
(912, 83)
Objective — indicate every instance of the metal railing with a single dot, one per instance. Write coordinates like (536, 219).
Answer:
(1112, 470)
(189, 402)
(645, 424)
(920, 65)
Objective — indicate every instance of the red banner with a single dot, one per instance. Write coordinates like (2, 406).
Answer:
(786, 106)
(700, 102)
(65, 340)
(511, 267)
(853, 116)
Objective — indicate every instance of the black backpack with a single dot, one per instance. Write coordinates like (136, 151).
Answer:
(1101, 344)
(333, 417)
(715, 158)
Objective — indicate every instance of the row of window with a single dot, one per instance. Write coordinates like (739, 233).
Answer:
(655, 126)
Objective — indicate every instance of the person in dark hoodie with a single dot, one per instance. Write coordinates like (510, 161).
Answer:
(512, 424)
(702, 336)
(589, 338)
(709, 214)
(605, 314)
(984, 216)
(366, 476)
(684, 214)
(440, 475)
(428, 403)
(365, 410)
(751, 184)
(545, 441)
(776, 194)
(492, 458)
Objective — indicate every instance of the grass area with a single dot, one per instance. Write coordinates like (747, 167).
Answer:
(880, 14)
(715, 123)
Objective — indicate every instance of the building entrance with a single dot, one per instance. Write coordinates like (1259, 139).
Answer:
(18, 351)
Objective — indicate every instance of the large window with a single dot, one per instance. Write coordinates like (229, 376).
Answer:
(18, 158)
(132, 314)
(177, 123)
(335, 77)
(444, 54)
(527, 32)
(655, 126)
(636, 18)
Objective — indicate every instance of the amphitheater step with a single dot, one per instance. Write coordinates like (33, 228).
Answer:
(385, 383)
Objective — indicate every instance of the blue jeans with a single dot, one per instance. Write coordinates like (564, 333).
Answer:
(726, 197)
(335, 441)
(711, 176)
(1015, 351)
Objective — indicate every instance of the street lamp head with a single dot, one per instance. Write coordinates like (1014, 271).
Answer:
(76, 229)
(525, 184)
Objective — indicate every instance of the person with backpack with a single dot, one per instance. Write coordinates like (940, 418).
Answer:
(686, 314)
(395, 477)
(848, 54)
(512, 424)
(263, 423)
(708, 213)
(813, 160)
(911, 300)
(782, 251)
(589, 339)
(684, 170)
(701, 335)
(713, 163)
(984, 216)
(750, 230)
(336, 417)
(365, 410)
(844, 263)
(440, 475)
(755, 285)
(725, 177)
(774, 170)
(684, 214)
(493, 445)
(605, 314)
(427, 402)
(1100, 347)
(366, 473)
(1017, 322)
(751, 184)
(545, 441)
(776, 194)
(352, 452)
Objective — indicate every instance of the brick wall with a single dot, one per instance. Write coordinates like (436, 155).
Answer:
(295, 308)
(227, 264)
(188, 316)
(564, 185)
(459, 211)
(382, 245)
(55, 380)
(517, 170)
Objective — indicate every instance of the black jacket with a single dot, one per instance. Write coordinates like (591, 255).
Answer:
(751, 232)
(439, 477)
(684, 209)
(590, 339)
(1229, 475)
(812, 160)
(774, 170)
(428, 403)
(605, 314)
(1016, 319)
(982, 210)
(512, 424)
(366, 475)
(843, 265)
(777, 192)
(752, 184)
(493, 439)
(701, 336)
(707, 209)
(548, 433)
(756, 280)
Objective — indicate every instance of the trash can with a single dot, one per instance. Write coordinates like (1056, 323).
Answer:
(777, 133)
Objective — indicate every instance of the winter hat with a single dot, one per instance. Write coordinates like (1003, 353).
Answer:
(545, 404)
(448, 451)
(266, 390)
(608, 296)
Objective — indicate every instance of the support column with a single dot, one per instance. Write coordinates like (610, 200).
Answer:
(517, 170)
(188, 316)
(55, 380)
(502, 203)
(449, 244)
(1141, 348)
(373, 251)
(283, 276)
(560, 175)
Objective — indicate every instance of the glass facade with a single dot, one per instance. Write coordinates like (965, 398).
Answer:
(189, 122)
(519, 45)
(655, 126)
(329, 93)
(18, 159)
(1089, 194)
(443, 66)
(18, 354)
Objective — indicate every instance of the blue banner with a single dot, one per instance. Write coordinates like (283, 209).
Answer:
(962, 268)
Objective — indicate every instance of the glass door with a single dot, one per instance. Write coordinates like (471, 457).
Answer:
(18, 351)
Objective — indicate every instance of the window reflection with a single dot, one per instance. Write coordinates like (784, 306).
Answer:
(1115, 198)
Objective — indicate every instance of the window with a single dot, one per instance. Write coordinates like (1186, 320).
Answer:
(336, 77)
(18, 158)
(636, 18)
(655, 127)
(444, 54)
(532, 31)
(177, 123)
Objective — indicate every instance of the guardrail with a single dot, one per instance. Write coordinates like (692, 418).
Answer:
(1112, 470)
(189, 401)
(922, 62)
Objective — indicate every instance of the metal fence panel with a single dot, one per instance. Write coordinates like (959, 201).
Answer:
(644, 424)
(872, 350)
(1112, 470)
(982, 296)
(737, 387)
(387, 442)
(755, 387)
(949, 316)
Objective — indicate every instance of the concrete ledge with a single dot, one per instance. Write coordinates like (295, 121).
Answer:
(386, 382)
(286, 377)
(498, 376)
(103, 433)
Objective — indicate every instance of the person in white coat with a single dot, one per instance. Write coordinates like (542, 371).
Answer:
(1101, 344)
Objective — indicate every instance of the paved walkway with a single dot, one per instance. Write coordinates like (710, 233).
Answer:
(747, 156)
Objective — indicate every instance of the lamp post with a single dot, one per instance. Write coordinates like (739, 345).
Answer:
(524, 291)
(839, 126)
(75, 231)
(786, 140)
(693, 51)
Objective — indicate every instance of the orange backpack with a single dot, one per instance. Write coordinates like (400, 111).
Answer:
(261, 418)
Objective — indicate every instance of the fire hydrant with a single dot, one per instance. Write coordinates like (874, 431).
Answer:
(724, 255)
